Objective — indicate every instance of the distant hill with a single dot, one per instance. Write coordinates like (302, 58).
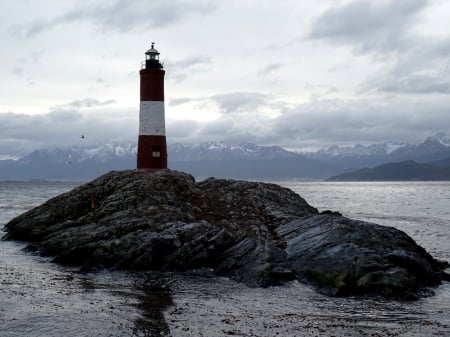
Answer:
(442, 162)
(402, 171)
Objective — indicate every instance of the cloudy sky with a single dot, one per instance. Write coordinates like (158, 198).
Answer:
(301, 74)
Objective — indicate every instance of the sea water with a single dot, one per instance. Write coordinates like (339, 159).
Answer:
(40, 298)
(223, 308)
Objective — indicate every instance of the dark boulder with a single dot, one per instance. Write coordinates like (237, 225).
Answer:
(257, 233)
(349, 257)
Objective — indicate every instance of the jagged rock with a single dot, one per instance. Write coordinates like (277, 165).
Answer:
(257, 233)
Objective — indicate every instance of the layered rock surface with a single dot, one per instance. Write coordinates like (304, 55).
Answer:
(257, 233)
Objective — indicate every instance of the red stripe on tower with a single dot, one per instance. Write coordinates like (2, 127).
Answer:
(152, 148)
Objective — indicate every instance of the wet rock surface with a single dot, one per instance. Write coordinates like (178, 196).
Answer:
(257, 233)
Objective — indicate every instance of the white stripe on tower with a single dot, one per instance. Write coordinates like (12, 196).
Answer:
(151, 118)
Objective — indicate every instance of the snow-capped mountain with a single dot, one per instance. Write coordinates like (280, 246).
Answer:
(219, 151)
(109, 151)
(201, 160)
(383, 149)
(100, 153)
(441, 138)
(433, 148)
(223, 160)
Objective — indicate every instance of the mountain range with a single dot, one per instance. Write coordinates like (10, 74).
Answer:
(350, 157)
(244, 161)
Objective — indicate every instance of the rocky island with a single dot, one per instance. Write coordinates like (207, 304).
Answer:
(252, 232)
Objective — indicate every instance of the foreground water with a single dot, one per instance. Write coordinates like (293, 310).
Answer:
(39, 298)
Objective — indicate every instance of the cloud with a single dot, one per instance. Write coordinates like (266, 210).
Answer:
(18, 71)
(178, 71)
(369, 26)
(183, 131)
(122, 15)
(346, 122)
(395, 52)
(236, 103)
(64, 116)
(175, 101)
(411, 63)
(326, 122)
(241, 101)
(269, 68)
(423, 72)
(304, 126)
(84, 103)
(419, 82)
(63, 126)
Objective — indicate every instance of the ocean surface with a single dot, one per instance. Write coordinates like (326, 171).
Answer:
(40, 298)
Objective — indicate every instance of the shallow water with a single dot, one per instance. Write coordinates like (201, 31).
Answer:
(39, 298)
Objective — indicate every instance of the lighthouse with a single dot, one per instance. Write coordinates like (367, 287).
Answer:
(152, 148)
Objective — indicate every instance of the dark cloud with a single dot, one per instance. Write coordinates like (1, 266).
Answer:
(359, 121)
(122, 15)
(413, 63)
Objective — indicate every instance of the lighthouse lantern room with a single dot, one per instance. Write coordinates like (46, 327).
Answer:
(152, 148)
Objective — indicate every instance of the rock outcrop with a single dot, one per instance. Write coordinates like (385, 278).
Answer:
(257, 233)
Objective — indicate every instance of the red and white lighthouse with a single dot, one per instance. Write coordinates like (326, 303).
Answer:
(152, 148)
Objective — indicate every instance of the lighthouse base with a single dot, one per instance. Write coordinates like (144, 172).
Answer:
(152, 152)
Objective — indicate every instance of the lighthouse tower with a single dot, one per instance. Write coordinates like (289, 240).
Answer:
(152, 149)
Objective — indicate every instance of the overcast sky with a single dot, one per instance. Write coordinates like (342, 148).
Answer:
(302, 74)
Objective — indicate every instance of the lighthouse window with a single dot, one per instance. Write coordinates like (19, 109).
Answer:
(156, 151)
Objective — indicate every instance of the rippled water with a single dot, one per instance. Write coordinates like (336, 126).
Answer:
(421, 209)
(39, 298)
